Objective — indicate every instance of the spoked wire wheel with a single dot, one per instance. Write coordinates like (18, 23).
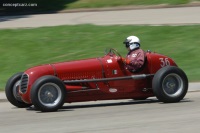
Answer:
(48, 93)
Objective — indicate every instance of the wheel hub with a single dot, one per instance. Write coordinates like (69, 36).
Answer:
(171, 85)
(16, 91)
(49, 94)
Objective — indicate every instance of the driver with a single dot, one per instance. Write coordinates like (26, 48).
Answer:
(136, 56)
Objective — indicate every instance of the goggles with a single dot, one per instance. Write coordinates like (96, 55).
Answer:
(127, 44)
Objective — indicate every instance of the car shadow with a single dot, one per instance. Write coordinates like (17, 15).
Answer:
(32, 108)
(185, 100)
(128, 102)
(99, 105)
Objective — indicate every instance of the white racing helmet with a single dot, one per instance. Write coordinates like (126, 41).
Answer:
(132, 42)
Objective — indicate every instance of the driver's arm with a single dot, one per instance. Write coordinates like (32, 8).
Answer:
(135, 60)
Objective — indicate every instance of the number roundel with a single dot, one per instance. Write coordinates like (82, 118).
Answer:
(164, 62)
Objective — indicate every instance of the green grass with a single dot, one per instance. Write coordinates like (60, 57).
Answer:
(24, 48)
(114, 3)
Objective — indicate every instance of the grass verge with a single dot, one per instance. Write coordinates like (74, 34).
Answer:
(114, 3)
(24, 48)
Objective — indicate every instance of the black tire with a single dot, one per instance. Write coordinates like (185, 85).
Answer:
(48, 93)
(12, 92)
(170, 84)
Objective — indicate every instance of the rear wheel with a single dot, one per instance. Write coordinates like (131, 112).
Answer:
(170, 84)
(12, 91)
(48, 94)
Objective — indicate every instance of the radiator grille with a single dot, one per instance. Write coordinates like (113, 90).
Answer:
(24, 83)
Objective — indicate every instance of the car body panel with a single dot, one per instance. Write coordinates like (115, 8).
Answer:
(108, 66)
(34, 73)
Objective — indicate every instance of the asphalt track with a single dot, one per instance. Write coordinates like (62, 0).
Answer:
(119, 116)
(162, 16)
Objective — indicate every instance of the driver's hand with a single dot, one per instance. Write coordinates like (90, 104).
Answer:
(126, 61)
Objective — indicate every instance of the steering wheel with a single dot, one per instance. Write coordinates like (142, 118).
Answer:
(112, 52)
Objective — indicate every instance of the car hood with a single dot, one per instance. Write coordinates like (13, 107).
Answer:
(39, 71)
(81, 69)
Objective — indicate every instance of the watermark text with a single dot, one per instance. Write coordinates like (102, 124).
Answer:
(19, 4)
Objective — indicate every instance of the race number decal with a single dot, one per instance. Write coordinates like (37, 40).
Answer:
(164, 62)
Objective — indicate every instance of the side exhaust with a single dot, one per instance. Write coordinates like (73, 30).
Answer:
(135, 77)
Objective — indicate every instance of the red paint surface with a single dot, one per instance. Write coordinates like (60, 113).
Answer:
(96, 68)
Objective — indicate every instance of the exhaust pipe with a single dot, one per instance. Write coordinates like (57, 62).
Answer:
(135, 77)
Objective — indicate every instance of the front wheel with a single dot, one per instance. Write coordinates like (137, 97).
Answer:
(12, 91)
(48, 93)
(170, 84)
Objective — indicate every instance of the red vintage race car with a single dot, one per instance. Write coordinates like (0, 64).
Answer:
(49, 86)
